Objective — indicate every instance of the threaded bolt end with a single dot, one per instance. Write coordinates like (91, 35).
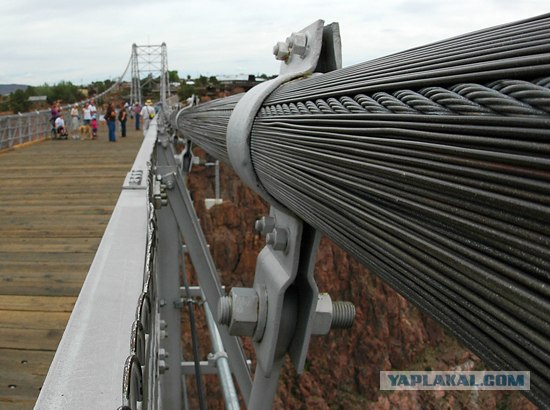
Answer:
(343, 314)
(224, 310)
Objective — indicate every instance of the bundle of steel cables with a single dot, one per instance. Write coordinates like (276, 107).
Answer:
(432, 167)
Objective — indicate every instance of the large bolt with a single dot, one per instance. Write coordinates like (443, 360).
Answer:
(163, 367)
(278, 239)
(332, 315)
(224, 310)
(264, 225)
(281, 51)
(343, 315)
(239, 311)
(298, 43)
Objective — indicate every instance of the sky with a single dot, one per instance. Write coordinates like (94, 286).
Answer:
(49, 42)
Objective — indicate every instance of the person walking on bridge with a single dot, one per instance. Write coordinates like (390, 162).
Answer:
(147, 113)
(110, 117)
(86, 113)
(122, 117)
(137, 113)
(75, 122)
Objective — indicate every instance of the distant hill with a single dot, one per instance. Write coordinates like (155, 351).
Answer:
(6, 89)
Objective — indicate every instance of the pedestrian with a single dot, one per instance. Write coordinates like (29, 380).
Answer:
(93, 108)
(137, 113)
(60, 128)
(147, 114)
(93, 124)
(86, 113)
(54, 113)
(75, 122)
(122, 117)
(110, 117)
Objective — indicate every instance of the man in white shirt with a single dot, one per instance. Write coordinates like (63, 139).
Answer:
(147, 114)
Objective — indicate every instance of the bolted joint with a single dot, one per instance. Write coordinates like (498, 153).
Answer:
(224, 310)
(332, 315)
(298, 44)
(281, 51)
(239, 311)
(163, 367)
(265, 225)
(163, 354)
(278, 239)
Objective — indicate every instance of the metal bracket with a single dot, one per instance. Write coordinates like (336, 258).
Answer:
(299, 62)
(284, 278)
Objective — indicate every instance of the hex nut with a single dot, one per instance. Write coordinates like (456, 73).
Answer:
(281, 51)
(299, 44)
(265, 225)
(278, 239)
(244, 311)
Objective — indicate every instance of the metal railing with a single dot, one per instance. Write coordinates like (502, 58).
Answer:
(22, 128)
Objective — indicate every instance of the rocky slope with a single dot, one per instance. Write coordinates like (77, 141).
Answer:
(343, 368)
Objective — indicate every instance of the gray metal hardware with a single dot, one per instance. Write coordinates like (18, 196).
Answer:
(295, 65)
(181, 206)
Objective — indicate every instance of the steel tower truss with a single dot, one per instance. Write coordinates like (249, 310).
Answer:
(150, 61)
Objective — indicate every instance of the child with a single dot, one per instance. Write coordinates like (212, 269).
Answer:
(93, 123)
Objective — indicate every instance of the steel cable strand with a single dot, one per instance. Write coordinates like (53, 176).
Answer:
(384, 156)
(443, 282)
(432, 203)
(481, 44)
(523, 66)
(454, 102)
(317, 206)
(498, 102)
(486, 256)
(536, 211)
(421, 58)
(516, 225)
(420, 103)
(463, 264)
(497, 98)
(529, 93)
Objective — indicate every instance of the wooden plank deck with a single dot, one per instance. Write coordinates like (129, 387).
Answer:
(56, 198)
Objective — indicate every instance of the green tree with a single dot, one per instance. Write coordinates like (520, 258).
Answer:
(173, 76)
(213, 81)
(201, 82)
(66, 92)
(185, 91)
(19, 102)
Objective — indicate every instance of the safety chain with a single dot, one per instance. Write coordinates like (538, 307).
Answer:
(502, 97)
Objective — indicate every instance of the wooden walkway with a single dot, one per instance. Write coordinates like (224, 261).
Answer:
(56, 198)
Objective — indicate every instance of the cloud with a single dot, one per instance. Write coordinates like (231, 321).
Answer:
(64, 41)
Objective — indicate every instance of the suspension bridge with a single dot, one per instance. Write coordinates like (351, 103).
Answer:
(430, 167)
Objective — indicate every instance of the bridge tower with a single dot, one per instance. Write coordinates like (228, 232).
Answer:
(150, 61)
